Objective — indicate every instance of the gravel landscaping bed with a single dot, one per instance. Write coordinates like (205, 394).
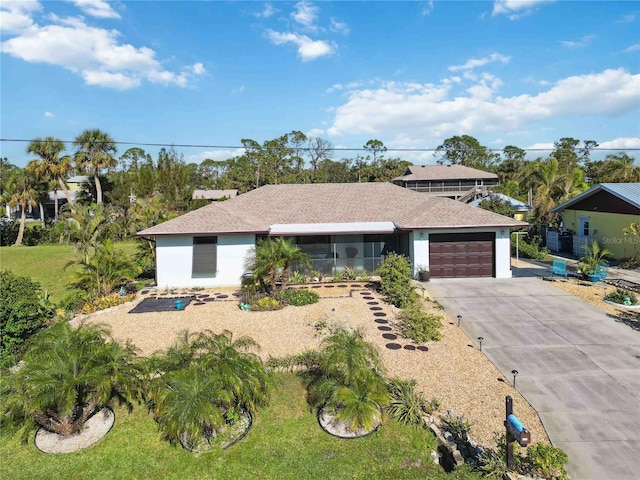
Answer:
(452, 370)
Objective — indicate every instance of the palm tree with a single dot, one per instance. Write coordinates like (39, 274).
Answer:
(21, 192)
(595, 256)
(95, 152)
(349, 381)
(274, 258)
(43, 182)
(86, 227)
(265, 264)
(104, 271)
(290, 255)
(203, 380)
(49, 149)
(67, 375)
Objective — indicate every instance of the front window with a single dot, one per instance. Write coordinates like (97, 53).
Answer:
(205, 256)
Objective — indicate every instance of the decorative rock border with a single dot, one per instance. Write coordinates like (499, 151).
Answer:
(339, 429)
(622, 305)
(94, 429)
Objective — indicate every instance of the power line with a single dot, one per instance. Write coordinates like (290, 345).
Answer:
(333, 149)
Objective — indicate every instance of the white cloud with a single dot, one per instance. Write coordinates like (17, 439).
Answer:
(583, 42)
(541, 147)
(306, 14)
(214, 155)
(479, 62)
(266, 12)
(15, 16)
(198, 69)
(629, 18)
(427, 8)
(621, 143)
(49, 114)
(93, 53)
(308, 49)
(515, 9)
(633, 48)
(420, 113)
(339, 27)
(96, 8)
(315, 132)
(237, 90)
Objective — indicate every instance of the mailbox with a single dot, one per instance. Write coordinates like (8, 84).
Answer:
(519, 432)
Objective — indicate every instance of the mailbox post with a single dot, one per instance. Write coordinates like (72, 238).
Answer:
(516, 431)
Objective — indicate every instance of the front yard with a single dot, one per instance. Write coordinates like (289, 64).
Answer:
(284, 443)
(451, 370)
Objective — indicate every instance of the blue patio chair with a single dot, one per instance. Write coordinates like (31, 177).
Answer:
(602, 271)
(559, 267)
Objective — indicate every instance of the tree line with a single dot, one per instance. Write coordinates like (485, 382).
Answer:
(136, 181)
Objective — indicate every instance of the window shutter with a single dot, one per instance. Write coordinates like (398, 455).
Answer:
(205, 256)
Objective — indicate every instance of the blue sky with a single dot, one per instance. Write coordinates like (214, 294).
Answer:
(411, 74)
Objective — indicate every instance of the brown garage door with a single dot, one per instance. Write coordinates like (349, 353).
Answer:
(461, 255)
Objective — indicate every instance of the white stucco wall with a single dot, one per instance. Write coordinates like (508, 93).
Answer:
(503, 253)
(419, 249)
(174, 257)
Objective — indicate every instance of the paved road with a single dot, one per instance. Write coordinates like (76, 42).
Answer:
(578, 367)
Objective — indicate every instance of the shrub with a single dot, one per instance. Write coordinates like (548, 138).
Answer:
(622, 297)
(298, 297)
(102, 303)
(546, 461)
(21, 313)
(493, 464)
(9, 232)
(407, 405)
(265, 304)
(456, 424)
(415, 323)
(298, 278)
(395, 280)
(364, 277)
(529, 249)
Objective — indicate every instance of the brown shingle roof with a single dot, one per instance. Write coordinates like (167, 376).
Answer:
(443, 172)
(257, 210)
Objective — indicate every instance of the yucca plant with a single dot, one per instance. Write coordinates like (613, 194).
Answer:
(407, 405)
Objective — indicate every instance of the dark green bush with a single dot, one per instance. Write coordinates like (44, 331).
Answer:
(298, 297)
(8, 232)
(529, 249)
(20, 313)
(396, 281)
(415, 323)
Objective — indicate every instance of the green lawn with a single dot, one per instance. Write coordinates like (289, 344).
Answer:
(285, 442)
(45, 264)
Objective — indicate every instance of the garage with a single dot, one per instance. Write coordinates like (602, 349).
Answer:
(462, 255)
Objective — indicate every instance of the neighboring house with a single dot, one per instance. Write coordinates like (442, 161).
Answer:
(453, 181)
(338, 225)
(599, 214)
(213, 195)
(520, 209)
(74, 185)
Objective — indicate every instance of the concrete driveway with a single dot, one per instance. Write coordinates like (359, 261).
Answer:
(578, 368)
